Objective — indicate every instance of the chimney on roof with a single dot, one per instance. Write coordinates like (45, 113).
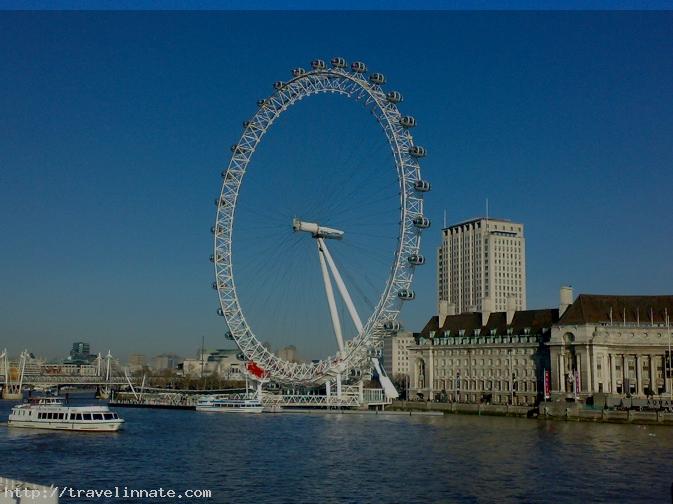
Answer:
(487, 307)
(444, 309)
(566, 299)
(511, 308)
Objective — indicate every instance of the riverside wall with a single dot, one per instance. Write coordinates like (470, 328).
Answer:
(549, 410)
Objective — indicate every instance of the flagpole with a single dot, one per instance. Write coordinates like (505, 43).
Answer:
(668, 329)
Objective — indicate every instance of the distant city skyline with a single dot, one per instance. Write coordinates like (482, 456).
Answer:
(116, 127)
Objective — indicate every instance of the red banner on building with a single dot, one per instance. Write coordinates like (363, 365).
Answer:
(547, 385)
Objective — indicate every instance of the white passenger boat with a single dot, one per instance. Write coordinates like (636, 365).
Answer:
(52, 413)
(229, 404)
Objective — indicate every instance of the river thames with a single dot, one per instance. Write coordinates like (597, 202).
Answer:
(318, 457)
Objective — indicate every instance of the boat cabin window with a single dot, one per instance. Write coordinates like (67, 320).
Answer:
(60, 416)
(114, 415)
(87, 416)
(72, 416)
(97, 416)
(108, 416)
(79, 416)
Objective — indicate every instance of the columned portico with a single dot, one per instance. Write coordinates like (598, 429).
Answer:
(589, 383)
(431, 374)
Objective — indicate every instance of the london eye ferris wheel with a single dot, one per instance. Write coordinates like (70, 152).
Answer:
(370, 324)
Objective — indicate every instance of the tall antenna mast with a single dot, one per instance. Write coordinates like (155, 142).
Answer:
(445, 218)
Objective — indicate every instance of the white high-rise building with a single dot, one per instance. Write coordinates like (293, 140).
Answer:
(482, 262)
(396, 353)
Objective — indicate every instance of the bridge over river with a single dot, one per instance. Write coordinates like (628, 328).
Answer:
(28, 372)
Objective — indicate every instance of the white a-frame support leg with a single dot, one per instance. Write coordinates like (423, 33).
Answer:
(341, 286)
(330, 295)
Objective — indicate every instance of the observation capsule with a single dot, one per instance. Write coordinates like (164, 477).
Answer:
(338, 62)
(391, 325)
(278, 84)
(416, 259)
(417, 151)
(406, 294)
(238, 149)
(318, 64)
(422, 222)
(261, 103)
(228, 336)
(214, 285)
(377, 78)
(220, 312)
(359, 67)
(394, 97)
(422, 185)
(298, 72)
(407, 121)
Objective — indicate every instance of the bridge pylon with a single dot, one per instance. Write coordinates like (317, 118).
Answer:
(13, 383)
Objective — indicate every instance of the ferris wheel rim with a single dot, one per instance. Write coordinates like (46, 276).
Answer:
(308, 83)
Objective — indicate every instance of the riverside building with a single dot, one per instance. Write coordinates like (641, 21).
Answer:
(600, 349)
(491, 356)
(613, 345)
(223, 362)
(396, 354)
(482, 258)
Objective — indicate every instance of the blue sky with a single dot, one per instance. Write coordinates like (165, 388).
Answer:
(115, 127)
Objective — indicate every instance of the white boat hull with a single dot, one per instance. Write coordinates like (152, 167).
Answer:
(71, 426)
(255, 409)
(53, 414)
